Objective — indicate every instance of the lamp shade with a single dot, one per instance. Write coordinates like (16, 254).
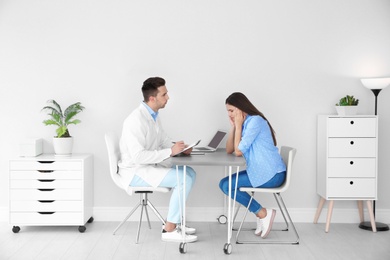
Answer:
(376, 83)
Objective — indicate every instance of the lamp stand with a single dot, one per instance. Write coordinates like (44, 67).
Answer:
(367, 224)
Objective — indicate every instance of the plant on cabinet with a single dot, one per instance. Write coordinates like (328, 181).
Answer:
(347, 106)
(63, 142)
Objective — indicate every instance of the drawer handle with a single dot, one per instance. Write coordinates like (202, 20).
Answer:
(46, 180)
(46, 189)
(46, 213)
(351, 162)
(46, 161)
(351, 182)
(46, 201)
(45, 171)
(352, 122)
(352, 142)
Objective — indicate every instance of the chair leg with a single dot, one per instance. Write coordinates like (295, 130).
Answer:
(156, 212)
(287, 218)
(139, 224)
(281, 211)
(127, 217)
(145, 204)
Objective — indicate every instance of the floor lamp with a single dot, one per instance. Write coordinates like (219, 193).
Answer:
(376, 85)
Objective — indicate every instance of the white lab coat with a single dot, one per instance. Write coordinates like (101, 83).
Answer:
(145, 149)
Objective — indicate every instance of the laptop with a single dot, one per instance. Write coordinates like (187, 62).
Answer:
(213, 145)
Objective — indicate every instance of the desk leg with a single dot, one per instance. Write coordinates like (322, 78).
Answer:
(183, 245)
(228, 246)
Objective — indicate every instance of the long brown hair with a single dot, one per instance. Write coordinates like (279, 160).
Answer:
(241, 102)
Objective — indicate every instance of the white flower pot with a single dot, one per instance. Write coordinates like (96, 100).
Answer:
(346, 110)
(63, 146)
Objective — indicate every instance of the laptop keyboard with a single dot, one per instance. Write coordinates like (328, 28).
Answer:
(201, 149)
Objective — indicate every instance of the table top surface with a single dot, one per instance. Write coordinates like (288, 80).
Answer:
(217, 158)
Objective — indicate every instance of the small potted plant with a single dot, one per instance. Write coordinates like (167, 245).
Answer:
(63, 142)
(347, 106)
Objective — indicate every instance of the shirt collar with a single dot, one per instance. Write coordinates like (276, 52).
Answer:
(151, 112)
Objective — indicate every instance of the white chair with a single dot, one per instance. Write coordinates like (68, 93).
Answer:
(288, 155)
(112, 144)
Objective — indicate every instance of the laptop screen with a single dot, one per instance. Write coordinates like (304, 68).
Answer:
(217, 139)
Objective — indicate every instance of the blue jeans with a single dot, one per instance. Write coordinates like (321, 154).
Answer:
(243, 181)
(170, 181)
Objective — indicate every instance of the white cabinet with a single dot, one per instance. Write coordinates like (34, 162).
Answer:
(347, 149)
(51, 190)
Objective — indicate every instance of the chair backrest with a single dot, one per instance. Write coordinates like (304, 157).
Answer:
(112, 143)
(288, 156)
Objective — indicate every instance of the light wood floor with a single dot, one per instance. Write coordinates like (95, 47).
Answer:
(344, 241)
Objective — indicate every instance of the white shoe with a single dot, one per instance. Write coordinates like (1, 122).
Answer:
(189, 230)
(267, 222)
(259, 226)
(176, 236)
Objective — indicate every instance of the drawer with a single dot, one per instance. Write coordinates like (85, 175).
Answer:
(352, 127)
(352, 167)
(45, 194)
(34, 175)
(45, 165)
(50, 218)
(45, 184)
(352, 147)
(352, 188)
(46, 205)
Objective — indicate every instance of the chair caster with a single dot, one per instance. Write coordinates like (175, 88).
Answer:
(183, 248)
(90, 220)
(227, 249)
(222, 219)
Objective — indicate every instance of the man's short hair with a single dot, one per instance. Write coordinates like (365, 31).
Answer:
(150, 87)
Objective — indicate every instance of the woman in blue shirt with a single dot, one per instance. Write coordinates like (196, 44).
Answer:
(252, 136)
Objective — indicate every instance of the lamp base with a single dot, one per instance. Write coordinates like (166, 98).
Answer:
(366, 225)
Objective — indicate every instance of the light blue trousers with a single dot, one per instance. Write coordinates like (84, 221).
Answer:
(170, 181)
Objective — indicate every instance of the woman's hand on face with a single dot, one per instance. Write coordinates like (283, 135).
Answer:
(239, 118)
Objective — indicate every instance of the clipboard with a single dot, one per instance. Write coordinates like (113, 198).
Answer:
(188, 147)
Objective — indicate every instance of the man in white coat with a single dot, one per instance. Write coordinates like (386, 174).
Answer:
(145, 146)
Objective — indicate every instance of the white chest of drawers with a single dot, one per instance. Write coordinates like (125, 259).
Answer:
(346, 160)
(50, 190)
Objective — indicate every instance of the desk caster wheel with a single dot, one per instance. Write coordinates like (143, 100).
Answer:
(16, 229)
(227, 249)
(183, 248)
(222, 219)
(82, 229)
(90, 220)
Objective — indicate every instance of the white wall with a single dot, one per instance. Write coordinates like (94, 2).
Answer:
(294, 59)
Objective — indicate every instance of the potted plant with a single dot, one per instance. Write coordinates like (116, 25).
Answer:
(63, 142)
(347, 106)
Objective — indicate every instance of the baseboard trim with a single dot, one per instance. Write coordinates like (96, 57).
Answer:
(207, 214)
(200, 214)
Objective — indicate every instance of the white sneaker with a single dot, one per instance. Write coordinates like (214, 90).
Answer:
(267, 222)
(189, 230)
(176, 236)
(259, 226)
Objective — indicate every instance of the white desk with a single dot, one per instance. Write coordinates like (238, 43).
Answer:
(218, 158)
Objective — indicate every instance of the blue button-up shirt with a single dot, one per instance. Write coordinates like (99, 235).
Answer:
(262, 156)
(151, 111)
